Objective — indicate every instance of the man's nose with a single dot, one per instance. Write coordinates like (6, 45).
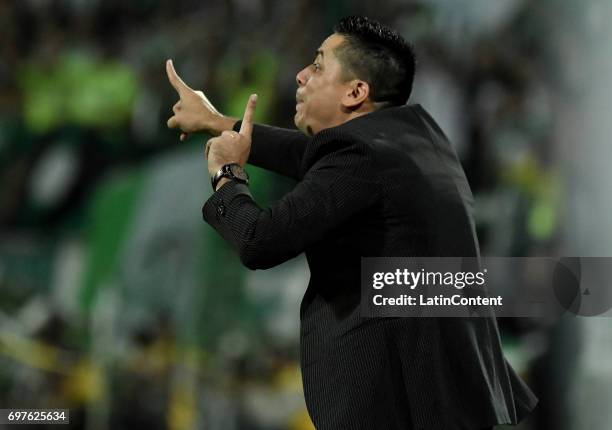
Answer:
(302, 77)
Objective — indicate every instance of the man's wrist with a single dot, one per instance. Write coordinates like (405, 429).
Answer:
(222, 182)
(230, 171)
(221, 124)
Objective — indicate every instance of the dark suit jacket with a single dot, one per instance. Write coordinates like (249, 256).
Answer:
(384, 184)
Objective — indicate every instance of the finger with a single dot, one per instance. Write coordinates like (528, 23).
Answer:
(172, 122)
(208, 145)
(175, 79)
(246, 128)
(176, 107)
(183, 137)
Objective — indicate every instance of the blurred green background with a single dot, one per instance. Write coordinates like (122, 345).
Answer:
(116, 299)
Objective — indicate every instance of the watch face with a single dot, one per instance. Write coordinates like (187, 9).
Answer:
(239, 172)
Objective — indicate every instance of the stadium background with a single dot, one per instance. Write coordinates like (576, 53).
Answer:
(118, 302)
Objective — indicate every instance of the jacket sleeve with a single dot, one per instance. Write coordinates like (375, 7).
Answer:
(337, 187)
(277, 149)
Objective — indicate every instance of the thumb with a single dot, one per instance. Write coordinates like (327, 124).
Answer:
(246, 128)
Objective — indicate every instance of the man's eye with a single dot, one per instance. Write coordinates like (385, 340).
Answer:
(316, 65)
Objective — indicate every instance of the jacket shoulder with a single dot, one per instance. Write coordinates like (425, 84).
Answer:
(386, 130)
(335, 144)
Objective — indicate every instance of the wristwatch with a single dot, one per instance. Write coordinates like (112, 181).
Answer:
(233, 171)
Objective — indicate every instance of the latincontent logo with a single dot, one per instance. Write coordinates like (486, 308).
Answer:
(509, 287)
(435, 295)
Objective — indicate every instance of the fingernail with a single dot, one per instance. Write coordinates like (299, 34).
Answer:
(254, 97)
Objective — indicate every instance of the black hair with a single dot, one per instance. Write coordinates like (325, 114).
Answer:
(378, 55)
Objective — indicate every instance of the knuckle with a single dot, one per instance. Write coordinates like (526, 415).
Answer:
(229, 134)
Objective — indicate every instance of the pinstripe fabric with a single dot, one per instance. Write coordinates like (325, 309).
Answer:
(383, 184)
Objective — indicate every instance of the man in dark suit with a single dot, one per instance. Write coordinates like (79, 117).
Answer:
(376, 178)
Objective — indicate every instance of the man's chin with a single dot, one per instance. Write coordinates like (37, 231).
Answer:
(297, 120)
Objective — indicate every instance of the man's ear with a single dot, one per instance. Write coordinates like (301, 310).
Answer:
(357, 93)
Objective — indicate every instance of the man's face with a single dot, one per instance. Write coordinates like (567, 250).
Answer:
(320, 90)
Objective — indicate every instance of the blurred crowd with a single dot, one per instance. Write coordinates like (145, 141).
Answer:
(118, 302)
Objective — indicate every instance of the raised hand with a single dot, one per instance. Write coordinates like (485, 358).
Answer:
(231, 146)
(194, 112)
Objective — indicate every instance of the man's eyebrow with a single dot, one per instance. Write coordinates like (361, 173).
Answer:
(319, 52)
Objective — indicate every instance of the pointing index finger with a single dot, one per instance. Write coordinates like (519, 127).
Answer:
(246, 128)
(174, 78)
